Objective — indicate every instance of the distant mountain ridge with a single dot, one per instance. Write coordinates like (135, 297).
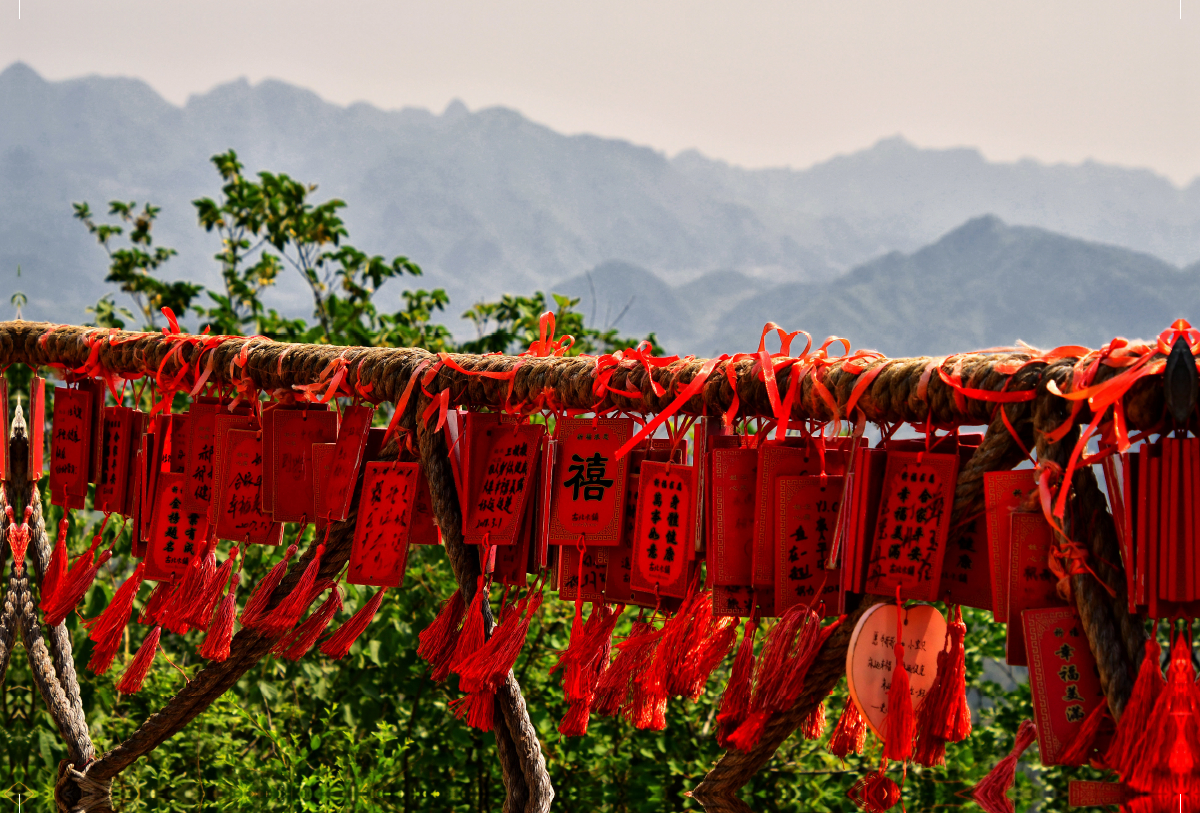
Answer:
(1026, 284)
(490, 202)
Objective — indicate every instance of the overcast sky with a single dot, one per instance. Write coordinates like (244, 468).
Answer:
(758, 83)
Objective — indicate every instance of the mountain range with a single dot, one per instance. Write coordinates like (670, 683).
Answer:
(898, 247)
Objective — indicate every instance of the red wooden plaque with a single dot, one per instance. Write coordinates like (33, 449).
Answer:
(201, 454)
(588, 488)
(663, 530)
(1031, 583)
(1003, 493)
(295, 432)
(595, 571)
(967, 568)
(619, 573)
(177, 533)
(114, 461)
(347, 458)
(914, 520)
(225, 424)
(503, 462)
(379, 553)
(807, 518)
(70, 447)
(731, 516)
(37, 427)
(1063, 678)
(237, 513)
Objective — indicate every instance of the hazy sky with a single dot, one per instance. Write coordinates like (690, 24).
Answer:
(757, 82)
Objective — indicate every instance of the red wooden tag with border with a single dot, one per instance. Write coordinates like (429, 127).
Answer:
(967, 568)
(620, 559)
(133, 482)
(732, 601)
(347, 458)
(225, 424)
(731, 532)
(177, 533)
(295, 432)
(1063, 678)
(662, 531)
(1003, 493)
(200, 465)
(379, 554)
(424, 525)
(37, 427)
(114, 461)
(503, 464)
(914, 519)
(548, 458)
(1031, 583)
(588, 489)
(237, 514)
(95, 388)
(595, 570)
(807, 518)
(70, 447)
(322, 460)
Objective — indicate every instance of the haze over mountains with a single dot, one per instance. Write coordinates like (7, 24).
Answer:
(897, 247)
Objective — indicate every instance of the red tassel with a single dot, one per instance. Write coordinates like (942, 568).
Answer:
(159, 598)
(139, 667)
(255, 608)
(220, 629)
(899, 726)
(613, 688)
(56, 570)
(295, 644)
(944, 709)
(289, 611)
(992, 791)
(75, 585)
(337, 645)
(477, 709)
(735, 702)
(1167, 756)
(813, 726)
(583, 662)
(471, 637)
(193, 587)
(707, 640)
(875, 792)
(850, 733)
(492, 662)
(642, 709)
(106, 629)
(1135, 718)
(213, 591)
(1081, 747)
(438, 641)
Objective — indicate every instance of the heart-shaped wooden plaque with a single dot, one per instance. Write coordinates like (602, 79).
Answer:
(870, 658)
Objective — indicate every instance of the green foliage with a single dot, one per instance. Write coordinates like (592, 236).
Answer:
(514, 322)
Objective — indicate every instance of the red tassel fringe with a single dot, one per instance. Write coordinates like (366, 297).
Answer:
(437, 642)
(1134, 720)
(56, 570)
(735, 702)
(296, 644)
(106, 629)
(899, 725)
(850, 733)
(253, 612)
(289, 611)
(135, 674)
(337, 645)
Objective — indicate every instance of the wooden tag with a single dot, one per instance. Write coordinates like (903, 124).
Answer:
(731, 601)
(238, 517)
(295, 432)
(967, 570)
(619, 573)
(201, 455)
(1031, 583)
(512, 561)
(37, 427)
(595, 570)
(95, 390)
(225, 424)
(588, 489)
(1092, 793)
(379, 553)
(133, 482)
(347, 458)
(731, 515)
(177, 534)
(424, 524)
(663, 530)
(914, 520)
(1003, 493)
(1063, 678)
(70, 447)
(503, 459)
(268, 438)
(870, 658)
(322, 460)
(866, 490)
(781, 459)
(547, 460)
(807, 513)
(114, 460)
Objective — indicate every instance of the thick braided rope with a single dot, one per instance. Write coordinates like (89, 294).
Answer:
(525, 776)
(1098, 611)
